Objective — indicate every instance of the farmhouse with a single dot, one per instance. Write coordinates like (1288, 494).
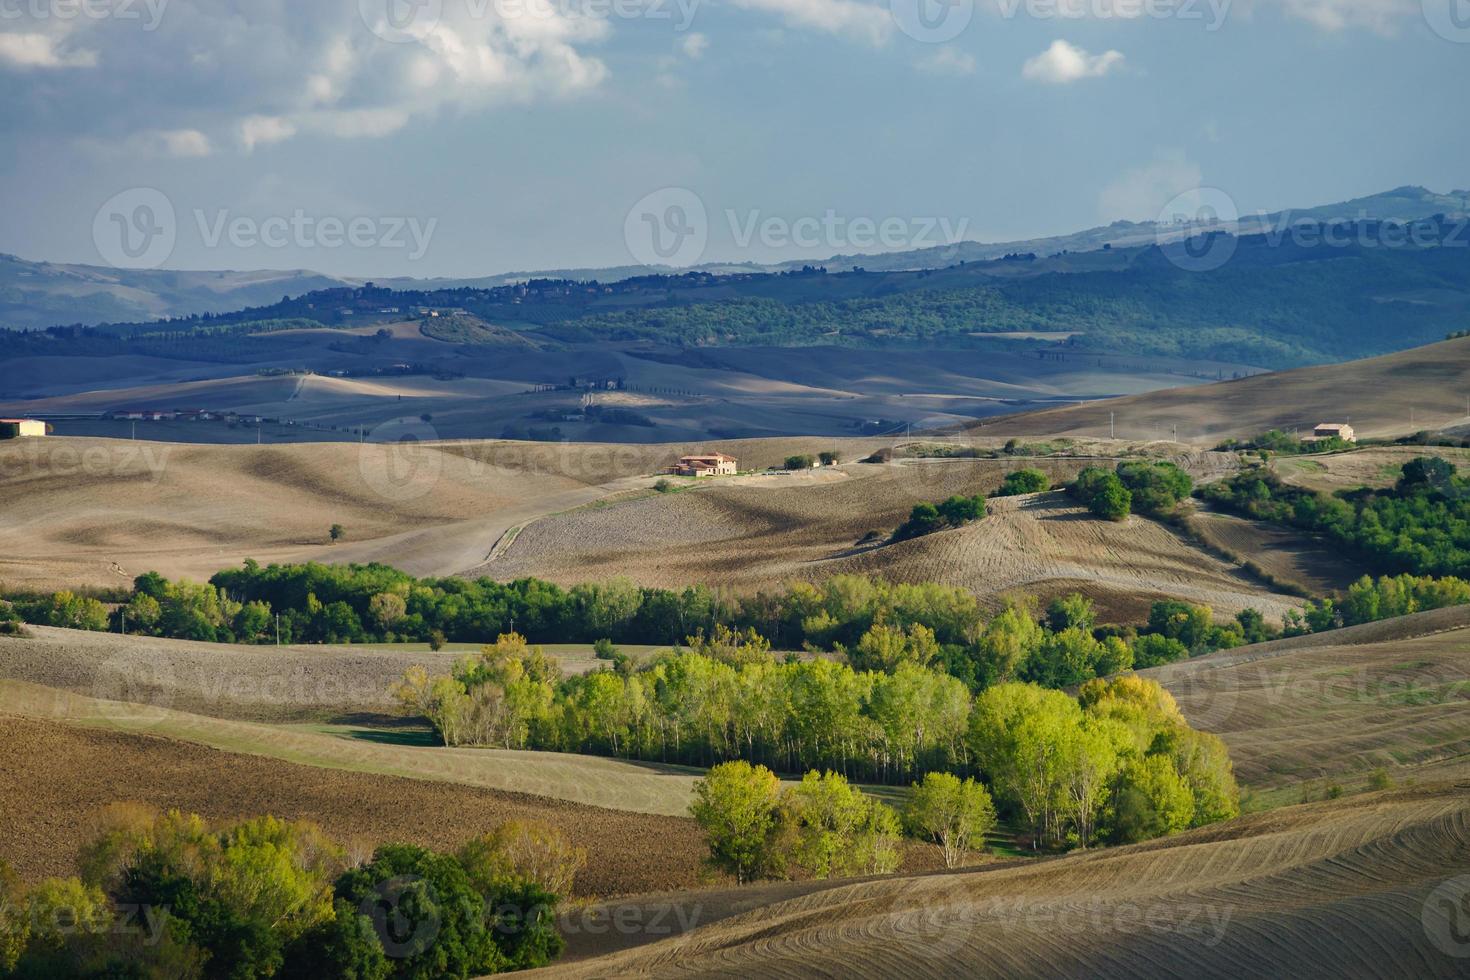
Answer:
(17, 428)
(1335, 430)
(712, 464)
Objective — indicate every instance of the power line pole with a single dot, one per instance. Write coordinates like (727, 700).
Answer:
(1111, 430)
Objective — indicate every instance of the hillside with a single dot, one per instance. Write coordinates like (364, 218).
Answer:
(1394, 395)
(1333, 889)
(760, 533)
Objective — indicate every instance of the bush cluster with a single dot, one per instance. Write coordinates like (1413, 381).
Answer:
(169, 896)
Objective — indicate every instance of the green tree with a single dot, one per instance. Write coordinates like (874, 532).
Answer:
(336, 533)
(951, 813)
(429, 919)
(737, 805)
(1073, 611)
(1023, 481)
(345, 947)
(837, 831)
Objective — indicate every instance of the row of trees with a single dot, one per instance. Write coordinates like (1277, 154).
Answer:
(873, 625)
(1117, 763)
(793, 716)
(171, 896)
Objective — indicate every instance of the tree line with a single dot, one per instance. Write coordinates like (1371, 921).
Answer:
(873, 624)
(731, 699)
(1420, 526)
(172, 896)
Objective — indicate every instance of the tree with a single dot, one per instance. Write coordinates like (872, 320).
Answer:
(345, 946)
(737, 805)
(336, 533)
(520, 851)
(1103, 493)
(829, 458)
(15, 929)
(1426, 472)
(837, 831)
(428, 917)
(1074, 611)
(951, 813)
(884, 648)
(799, 462)
(1024, 481)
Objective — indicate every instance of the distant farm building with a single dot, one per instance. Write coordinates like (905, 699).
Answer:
(713, 464)
(19, 428)
(1335, 430)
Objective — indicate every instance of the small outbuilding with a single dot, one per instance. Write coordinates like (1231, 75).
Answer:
(21, 428)
(1335, 430)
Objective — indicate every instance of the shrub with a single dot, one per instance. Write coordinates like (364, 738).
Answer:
(1022, 482)
(1103, 493)
(837, 831)
(799, 462)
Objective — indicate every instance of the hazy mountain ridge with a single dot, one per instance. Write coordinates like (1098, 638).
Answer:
(40, 294)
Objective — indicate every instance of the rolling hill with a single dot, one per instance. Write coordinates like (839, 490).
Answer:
(1395, 395)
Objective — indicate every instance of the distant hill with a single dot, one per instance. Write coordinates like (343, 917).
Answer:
(1421, 389)
(40, 294)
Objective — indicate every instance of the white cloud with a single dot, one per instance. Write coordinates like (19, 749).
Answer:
(1142, 192)
(42, 51)
(1063, 63)
(861, 21)
(1380, 16)
(185, 143)
(948, 61)
(693, 45)
(263, 130)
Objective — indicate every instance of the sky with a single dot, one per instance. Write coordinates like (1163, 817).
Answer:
(377, 138)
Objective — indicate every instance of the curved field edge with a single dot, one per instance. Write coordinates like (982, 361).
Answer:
(1330, 889)
(588, 780)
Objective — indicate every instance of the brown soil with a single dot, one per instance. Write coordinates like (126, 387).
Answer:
(55, 780)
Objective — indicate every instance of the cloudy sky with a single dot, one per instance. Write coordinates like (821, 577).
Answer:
(468, 137)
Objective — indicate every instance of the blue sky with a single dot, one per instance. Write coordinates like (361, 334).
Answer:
(494, 135)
